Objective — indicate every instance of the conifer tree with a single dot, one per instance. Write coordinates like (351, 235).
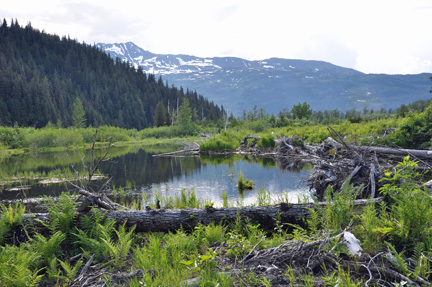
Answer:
(78, 114)
(160, 117)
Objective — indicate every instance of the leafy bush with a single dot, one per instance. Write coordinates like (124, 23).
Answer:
(11, 137)
(415, 130)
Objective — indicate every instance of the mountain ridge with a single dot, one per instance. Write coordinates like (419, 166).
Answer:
(276, 83)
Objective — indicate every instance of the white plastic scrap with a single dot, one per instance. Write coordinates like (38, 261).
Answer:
(351, 243)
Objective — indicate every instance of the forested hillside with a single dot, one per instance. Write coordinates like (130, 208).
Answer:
(42, 75)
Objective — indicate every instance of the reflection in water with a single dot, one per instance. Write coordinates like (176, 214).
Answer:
(216, 175)
(208, 176)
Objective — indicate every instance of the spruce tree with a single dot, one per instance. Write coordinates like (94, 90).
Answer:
(160, 118)
(78, 114)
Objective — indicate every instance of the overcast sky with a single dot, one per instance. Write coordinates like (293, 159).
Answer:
(372, 36)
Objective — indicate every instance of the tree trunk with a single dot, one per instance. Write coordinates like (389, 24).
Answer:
(165, 220)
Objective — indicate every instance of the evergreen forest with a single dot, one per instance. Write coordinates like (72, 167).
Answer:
(42, 76)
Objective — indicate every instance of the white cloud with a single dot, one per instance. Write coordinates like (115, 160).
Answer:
(386, 36)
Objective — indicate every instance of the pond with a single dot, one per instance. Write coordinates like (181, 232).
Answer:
(135, 171)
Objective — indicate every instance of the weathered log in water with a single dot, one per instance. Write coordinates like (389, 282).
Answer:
(188, 149)
(165, 220)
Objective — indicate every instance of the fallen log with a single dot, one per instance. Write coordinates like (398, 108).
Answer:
(421, 154)
(170, 220)
(191, 149)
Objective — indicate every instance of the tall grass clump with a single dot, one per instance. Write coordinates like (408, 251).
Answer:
(243, 184)
(225, 141)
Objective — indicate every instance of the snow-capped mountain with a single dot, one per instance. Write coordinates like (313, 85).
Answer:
(275, 84)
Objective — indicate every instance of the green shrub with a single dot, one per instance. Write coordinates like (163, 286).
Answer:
(266, 141)
(415, 131)
(12, 137)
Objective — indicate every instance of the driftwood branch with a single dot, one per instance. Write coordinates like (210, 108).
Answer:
(90, 198)
(93, 169)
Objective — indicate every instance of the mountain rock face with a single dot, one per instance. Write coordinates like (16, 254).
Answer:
(275, 84)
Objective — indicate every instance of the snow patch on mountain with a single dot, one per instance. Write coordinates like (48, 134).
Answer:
(115, 49)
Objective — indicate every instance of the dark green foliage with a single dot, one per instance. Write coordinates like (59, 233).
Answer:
(78, 114)
(353, 116)
(41, 75)
(161, 116)
(301, 111)
(415, 131)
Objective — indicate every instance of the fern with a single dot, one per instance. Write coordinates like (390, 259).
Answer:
(90, 222)
(12, 216)
(422, 263)
(95, 229)
(119, 250)
(91, 245)
(18, 266)
(69, 271)
(338, 211)
(4, 231)
(312, 220)
(61, 213)
(411, 209)
(48, 248)
(397, 260)
(53, 273)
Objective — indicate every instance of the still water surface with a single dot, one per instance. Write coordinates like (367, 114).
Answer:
(142, 174)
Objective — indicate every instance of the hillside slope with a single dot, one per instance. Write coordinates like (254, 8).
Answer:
(274, 84)
(41, 75)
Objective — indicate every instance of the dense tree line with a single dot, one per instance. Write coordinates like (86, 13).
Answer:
(42, 75)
